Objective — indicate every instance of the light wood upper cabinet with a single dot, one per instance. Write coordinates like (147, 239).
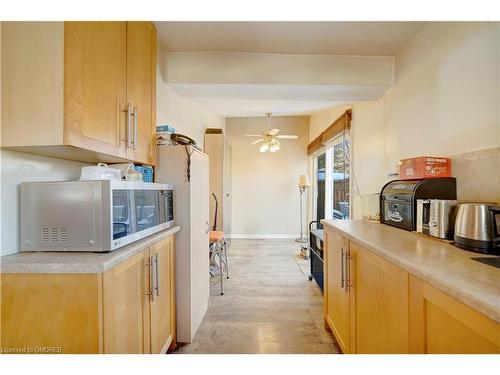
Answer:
(379, 304)
(66, 88)
(336, 289)
(141, 88)
(95, 85)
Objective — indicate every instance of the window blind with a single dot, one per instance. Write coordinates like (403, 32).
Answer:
(341, 124)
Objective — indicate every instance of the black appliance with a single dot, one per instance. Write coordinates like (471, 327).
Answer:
(316, 253)
(398, 199)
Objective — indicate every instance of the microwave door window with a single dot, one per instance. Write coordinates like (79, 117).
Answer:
(122, 223)
(147, 213)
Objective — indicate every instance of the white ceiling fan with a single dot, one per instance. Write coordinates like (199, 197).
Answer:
(270, 137)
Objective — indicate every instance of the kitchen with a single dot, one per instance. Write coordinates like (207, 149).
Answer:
(391, 108)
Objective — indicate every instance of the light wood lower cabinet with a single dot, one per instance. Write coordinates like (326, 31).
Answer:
(442, 325)
(129, 308)
(57, 312)
(162, 305)
(336, 289)
(384, 309)
(126, 306)
(379, 304)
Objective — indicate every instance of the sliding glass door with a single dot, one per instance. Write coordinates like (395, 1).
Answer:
(340, 177)
(319, 183)
(332, 180)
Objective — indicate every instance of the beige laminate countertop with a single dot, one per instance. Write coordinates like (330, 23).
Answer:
(436, 262)
(77, 262)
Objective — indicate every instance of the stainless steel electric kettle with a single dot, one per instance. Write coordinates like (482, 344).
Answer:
(477, 227)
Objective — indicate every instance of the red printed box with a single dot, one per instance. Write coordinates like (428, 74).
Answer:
(424, 167)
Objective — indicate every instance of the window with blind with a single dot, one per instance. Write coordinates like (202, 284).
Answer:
(332, 171)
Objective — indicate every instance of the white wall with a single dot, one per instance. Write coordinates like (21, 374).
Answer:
(17, 167)
(445, 102)
(446, 96)
(265, 199)
(187, 116)
(319, 121)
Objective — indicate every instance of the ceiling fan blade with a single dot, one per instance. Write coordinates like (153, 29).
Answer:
(257, 141)
(253, 135)
(273, 131)
(287, 136)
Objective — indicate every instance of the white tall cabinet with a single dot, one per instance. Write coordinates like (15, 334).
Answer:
(191, 211)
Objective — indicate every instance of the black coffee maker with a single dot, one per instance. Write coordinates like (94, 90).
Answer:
(398, 199)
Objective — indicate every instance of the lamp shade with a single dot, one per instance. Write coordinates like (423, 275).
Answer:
(304, 181)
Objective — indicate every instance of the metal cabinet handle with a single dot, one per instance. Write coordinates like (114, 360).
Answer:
(136, 120)
(128, 136)
(153, 279)
(342, 263)
(149, 292)
(157, 262)
(348, 272)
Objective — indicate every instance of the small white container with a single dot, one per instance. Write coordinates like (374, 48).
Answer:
(370, 207)
(100, 171)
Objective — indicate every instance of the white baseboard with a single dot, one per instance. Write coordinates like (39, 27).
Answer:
(262, 236)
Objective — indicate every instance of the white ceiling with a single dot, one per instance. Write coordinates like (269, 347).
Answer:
(336, 38)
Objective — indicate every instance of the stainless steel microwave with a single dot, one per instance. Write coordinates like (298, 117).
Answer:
(94, 216)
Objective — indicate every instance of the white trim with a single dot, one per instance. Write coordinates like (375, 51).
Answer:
(262, 236)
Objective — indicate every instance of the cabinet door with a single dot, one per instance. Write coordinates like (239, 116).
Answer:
(95, 86)
(379, 304)
(214, 148)
(442, 325)
(141, 89)
(57, 311)
(227, 194)
(126, 306)
(162, 300)
(336, 292)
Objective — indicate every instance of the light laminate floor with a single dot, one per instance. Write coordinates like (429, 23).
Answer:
(268, 306)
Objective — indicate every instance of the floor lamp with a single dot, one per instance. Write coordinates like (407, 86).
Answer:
(303, 185)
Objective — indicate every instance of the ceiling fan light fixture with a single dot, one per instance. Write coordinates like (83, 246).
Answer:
(264, 147)
(274, 147)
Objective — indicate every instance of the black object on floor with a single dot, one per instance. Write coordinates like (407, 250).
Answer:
(495, 262)
(316, 253)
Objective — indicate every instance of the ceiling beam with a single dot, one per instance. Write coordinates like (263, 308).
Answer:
(261, 68)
